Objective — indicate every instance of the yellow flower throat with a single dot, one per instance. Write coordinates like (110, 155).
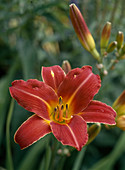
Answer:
(60, 113)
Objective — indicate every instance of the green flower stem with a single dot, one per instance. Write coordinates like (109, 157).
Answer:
(95, 54)
(54, 152)
(78, 161)
(47, 157)
(112, 64)
(4, 84)
(61, 163)
(8, 147)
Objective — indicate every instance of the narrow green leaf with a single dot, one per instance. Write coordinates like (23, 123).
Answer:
(4, 95)
(109, 161)
(79, 159)
(8, 147)
(42, 165)
(48, 157)
(45, 163)
(32, 156)
(61, 163)
(1, 168)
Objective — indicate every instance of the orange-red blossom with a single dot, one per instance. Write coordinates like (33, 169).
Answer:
(62, 104)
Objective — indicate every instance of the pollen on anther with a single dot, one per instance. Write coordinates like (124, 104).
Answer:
(66, 106)
(55, 109)
(60, 100)
(62, 107)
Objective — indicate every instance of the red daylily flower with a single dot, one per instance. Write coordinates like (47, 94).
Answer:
(62, 105)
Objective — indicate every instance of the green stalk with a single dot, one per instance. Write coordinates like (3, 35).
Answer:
(78, 161)
(47, 157)
(61, 163)
(8, 147)
(113, 13)
(54, 152)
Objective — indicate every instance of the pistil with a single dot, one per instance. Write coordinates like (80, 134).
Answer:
(61, 107)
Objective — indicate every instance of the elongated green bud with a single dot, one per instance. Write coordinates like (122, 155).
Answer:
(66, 66)
(122, 54)
(119, 39)
(105, 35)
(111, 46)
(82, 31)
(93, 131)
(122, 50)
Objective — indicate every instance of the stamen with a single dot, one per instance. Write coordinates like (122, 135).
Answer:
(56, 112)
(66, 106)
(62, 107)
(67, 118)
(60, 100)
(61, 112)
(55, 109)
(66, 113)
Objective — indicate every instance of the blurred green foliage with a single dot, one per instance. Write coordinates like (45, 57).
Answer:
(36, 33)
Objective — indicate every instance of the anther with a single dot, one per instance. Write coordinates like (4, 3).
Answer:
(60, 100)
(62, 107)
(66, 106)
(55, 109)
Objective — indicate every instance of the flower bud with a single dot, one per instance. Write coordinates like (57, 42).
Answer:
(93, 131)
(105, 72)
(66, 66)
(59, 151)
(119, 39)
(100, 66)
(121, 122)
(123, 49)
(66, 152)
(82, 31)
(119, 104)
(111, 46)
(122, 54)
(105, 35)
(122, 57)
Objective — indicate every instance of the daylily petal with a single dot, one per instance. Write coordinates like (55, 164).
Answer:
(79, 88)
(35, 96)
(98, 112)
(73, 133)
(53, 76)
(31, 131)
